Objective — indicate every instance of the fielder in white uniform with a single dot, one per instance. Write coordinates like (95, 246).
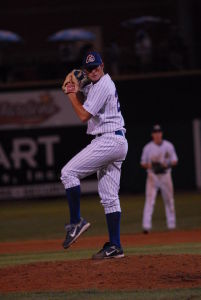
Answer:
(158, 158)
(104, 155)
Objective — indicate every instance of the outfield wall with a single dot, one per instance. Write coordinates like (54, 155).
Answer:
(39, 133)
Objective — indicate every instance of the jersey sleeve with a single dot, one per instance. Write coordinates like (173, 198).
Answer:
(85, 90)
(144, 157)
(96, 99)
(173, 154)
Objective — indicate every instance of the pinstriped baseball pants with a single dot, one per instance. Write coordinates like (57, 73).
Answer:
(104, 156)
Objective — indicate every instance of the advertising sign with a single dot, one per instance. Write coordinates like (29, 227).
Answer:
(197, 150)
(39, 133)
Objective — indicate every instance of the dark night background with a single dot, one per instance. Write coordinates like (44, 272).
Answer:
(165, 90)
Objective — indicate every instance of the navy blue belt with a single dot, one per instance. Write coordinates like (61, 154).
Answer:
(117, 132)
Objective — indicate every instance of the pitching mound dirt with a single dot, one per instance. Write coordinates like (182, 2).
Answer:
(130, 273)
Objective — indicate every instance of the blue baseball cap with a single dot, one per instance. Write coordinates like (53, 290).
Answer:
(92, 59)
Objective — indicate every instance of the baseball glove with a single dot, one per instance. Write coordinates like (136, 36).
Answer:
(158, 168)
(75, 81)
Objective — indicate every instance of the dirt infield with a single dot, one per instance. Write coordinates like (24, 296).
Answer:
(135, 272)
(131, 273)
(156, 238)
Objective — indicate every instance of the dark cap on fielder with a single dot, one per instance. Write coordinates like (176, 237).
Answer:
(92, 59)
(156, 128)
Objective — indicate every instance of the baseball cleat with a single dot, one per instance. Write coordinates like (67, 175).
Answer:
(73, 231)
(109, 251)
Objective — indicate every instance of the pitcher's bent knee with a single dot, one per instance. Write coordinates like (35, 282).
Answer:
(69, 178)
(111, 205)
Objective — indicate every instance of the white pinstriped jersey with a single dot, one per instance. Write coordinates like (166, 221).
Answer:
(103, 104)
(164, 153)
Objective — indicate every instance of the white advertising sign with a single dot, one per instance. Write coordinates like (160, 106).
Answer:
(197, 150)
(33, 109)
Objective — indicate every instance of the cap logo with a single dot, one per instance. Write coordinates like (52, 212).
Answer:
(90, 58)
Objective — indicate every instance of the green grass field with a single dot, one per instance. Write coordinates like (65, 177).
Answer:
(25, 258)
(28, 220)
(175, 294)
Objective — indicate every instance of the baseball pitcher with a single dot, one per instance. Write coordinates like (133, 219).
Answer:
(94, 98)
(158, 158)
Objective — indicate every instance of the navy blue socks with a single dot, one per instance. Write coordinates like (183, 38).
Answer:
(73, 196)
(113, 219)
(113, 224)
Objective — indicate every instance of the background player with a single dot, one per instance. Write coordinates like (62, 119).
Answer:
(103, 155)
(158, 158)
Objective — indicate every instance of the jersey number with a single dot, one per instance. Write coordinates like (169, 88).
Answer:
(118, 104)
